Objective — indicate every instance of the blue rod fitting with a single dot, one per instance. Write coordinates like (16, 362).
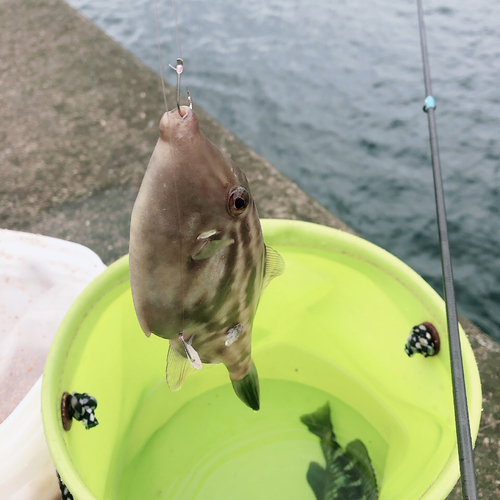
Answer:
(429, 103)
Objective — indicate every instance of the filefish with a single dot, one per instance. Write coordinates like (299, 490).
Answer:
(198, 262)
(348, 474)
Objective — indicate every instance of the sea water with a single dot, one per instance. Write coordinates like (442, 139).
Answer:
(214, 447)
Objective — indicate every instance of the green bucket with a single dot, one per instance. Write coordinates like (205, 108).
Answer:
(331, 328)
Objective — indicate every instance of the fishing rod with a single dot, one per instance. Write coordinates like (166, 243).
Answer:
(464, 440)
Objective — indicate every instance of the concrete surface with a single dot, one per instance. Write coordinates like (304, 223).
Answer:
(78, 123)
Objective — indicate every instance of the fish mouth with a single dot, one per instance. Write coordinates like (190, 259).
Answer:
(174, 125)
(248, 390)
(186, 113)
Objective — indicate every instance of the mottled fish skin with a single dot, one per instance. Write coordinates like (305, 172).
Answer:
(348, 474)
(184, 194)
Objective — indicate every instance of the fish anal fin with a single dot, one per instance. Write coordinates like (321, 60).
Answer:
(178, 368)
(316, 477)
(211, 247)
(275, 265)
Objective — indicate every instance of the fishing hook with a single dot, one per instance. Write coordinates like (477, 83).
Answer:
(179, 69)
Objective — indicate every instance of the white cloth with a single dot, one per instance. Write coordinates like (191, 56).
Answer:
(40, 277)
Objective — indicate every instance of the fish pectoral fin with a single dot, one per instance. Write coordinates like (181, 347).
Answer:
(275, 265)
(210, 247)
(316, 477)
(178, 368)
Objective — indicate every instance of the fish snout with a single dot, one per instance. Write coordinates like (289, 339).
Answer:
(175, 126)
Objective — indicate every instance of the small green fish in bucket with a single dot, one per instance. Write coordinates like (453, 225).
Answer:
(198, 262)
(348, 473)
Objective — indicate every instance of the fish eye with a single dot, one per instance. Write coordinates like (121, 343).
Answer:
(238, 201)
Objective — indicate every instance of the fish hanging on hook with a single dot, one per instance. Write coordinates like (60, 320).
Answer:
(198, 262)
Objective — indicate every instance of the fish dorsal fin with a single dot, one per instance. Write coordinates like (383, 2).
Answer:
(275, 265)
(211, 243)
(178, 368)
(357, 452)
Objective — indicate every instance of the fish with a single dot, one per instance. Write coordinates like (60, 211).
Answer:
(198, 262)
(348, 474)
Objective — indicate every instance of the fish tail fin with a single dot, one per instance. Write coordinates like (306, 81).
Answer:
(247, 389)
(319, 422)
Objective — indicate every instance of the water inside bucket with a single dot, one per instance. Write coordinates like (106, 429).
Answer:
(213, 447)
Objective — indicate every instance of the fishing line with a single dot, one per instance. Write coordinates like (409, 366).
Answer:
(179, 68)
(160, 59)
(177, 29)
(179, 71)
(464, 439)
(181, 253)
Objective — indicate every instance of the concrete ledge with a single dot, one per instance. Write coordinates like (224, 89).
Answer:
(78, 123)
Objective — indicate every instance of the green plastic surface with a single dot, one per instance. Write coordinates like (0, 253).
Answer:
(331, 328)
